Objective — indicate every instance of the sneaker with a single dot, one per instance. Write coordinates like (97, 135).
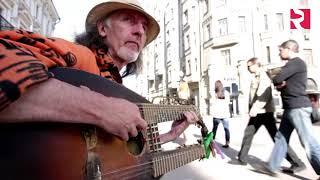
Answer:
(225, 146)
(237, 162)
(294, 168)
(265, 169)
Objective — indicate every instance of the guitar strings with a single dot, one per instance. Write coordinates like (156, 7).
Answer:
(167, 107)
(134, 169)
(176, 109)
(147, 163)
(154, 161)
(135, 174)
(127, 176)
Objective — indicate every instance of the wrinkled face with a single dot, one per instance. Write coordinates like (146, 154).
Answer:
(125, 33)
(284, 53)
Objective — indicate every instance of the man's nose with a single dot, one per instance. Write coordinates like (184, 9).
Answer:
(139, 29)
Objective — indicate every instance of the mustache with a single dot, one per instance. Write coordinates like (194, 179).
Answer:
(135, 42)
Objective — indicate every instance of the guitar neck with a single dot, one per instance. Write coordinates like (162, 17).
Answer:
(164, 162)
(158, 113)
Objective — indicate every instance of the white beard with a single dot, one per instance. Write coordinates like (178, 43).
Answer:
(127, 54)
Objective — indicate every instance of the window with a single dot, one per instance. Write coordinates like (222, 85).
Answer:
(268, 54)
(183, 68)
(223, 26)
(49, 29)
(169, 75)
(169, 54)
(185, 17)
(226, 57)
(207, 32)
(242, 23)
(158, 83)
(189, 67)
(187, 42)
(151, 84)
(206, 6)
(280, 21)
(308, 56)
(37, 11)
(266, 23)
(196, 64)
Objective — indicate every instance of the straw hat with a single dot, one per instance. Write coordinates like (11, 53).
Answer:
(312, 87)
(103, 9)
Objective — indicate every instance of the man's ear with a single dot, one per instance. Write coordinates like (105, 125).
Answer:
(101, 29)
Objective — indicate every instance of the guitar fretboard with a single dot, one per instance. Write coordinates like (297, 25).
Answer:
(164, 162)
(157, 113)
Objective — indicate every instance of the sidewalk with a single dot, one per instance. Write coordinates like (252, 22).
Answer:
(218, 168)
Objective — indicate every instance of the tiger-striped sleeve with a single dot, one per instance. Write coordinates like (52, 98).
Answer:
(19, 70)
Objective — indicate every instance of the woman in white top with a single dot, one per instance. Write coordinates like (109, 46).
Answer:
(221, 111)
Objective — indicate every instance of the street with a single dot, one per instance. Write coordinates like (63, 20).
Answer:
(218, 168)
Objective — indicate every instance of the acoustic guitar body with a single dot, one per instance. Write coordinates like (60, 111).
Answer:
(60, 151)
(56, 151)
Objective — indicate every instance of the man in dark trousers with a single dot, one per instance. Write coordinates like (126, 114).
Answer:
(261, 112)
(291, 81)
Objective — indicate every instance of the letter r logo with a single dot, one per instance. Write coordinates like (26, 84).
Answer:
(299, 18)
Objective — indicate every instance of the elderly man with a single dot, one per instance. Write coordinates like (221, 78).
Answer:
(116, 33)
(291, 81)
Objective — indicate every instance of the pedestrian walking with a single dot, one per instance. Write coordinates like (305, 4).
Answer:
(221, 112)
(261, 112)
(291, 81)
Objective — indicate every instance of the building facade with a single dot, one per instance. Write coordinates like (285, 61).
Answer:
(215, 38)
(162, 57)
(33, 15)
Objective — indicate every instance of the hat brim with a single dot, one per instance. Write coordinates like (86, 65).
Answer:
(106, 8)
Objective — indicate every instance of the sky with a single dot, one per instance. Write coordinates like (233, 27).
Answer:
(72, 15)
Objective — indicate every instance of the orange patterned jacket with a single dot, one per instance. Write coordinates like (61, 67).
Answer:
(25, 58)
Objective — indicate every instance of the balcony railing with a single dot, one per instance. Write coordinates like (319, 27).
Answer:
(4, 24)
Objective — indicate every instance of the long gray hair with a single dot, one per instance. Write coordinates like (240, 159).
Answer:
(92, 39)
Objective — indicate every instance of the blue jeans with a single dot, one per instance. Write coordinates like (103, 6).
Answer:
(225, 123)
(298, 119)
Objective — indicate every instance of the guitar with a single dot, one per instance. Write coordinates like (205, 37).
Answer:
(61, 151)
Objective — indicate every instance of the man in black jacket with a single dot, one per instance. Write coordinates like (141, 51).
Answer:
(291, 81)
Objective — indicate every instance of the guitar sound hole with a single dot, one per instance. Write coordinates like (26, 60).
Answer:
(135, 144)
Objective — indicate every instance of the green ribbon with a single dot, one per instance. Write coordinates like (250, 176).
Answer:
(206, 142)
